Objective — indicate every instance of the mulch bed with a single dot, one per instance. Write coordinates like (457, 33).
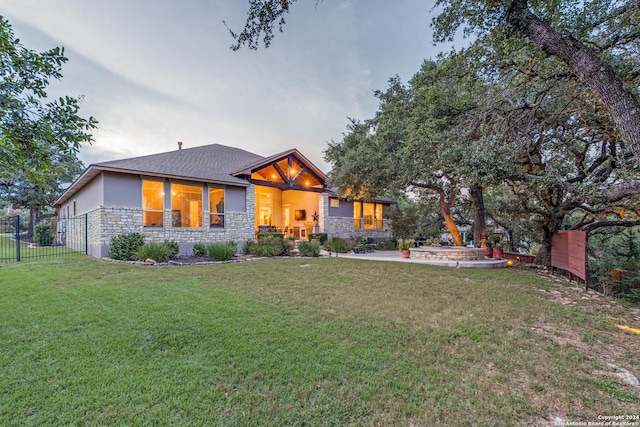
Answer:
(194, 260)
(187, 260)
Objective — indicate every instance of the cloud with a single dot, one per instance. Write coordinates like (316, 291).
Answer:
(156, 72)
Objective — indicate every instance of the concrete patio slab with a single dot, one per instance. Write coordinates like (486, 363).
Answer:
(395, 256)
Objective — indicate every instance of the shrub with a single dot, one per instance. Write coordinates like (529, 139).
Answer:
(264, 249)
(309, 249)
(338, 245)
(199, 249)
(319, 236)
(387, 245)
(248, 247)
(7, 225)
(268, 234)
(269, 246)
(125, 246)
(362, 245)
(172, 247)
(43, 234)
(222, 251)
(158, 252)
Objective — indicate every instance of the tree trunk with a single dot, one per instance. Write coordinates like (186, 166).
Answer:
(549, 228)
(445, 206)
(445, 211)
(512, 245)
(33, 218)
(479, 222)
(543, 257)
(593, 70)
(452, 227)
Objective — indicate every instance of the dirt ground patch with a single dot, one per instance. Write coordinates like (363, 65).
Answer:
(616, 348)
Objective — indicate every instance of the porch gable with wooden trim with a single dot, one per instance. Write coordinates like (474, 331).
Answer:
(289, 170)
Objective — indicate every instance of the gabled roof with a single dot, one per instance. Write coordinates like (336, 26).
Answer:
(214, 163)
(209, 163)
(248, 169)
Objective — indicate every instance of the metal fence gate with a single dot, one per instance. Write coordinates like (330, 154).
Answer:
(47, 237)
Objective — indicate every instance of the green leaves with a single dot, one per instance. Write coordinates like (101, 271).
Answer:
(263, 17)
(32, 127)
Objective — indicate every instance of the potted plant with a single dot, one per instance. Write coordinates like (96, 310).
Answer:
(488, 251)
(432, 241)
(493, 243)
(404, 245)
(498, 251)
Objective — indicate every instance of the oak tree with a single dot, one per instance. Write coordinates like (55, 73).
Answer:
(33, 128)
(583, 35)
(22, 191)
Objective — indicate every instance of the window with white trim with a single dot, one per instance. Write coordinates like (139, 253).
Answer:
(216, 207)
(152, 203)
(186, 205)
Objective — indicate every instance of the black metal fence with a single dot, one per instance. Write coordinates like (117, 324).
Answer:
(47, 237)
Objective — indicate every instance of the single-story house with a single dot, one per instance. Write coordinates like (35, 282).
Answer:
(214, 193)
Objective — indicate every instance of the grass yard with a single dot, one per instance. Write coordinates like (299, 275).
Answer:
(8, 248)
(27, 251)
(307, 342)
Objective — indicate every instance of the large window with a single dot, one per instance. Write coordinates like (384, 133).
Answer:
(186, 205)
(216, 207)
(367, 216)
(357, 215)
(152, 203)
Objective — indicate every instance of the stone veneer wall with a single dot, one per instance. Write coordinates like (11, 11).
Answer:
(75, 233)
(95, 245)
(71, 232)
(323, 212)
(338, 226)
(106, 222)
(451, 253)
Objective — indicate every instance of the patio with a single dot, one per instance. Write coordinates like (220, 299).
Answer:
(395, 256)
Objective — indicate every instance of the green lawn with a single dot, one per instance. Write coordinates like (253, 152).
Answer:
(27, 251)
(305, 342)
(8, 248)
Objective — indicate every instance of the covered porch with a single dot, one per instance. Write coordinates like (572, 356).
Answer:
(288, 188)
(292, 212)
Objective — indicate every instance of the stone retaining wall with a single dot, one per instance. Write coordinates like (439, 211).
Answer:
(438, 253)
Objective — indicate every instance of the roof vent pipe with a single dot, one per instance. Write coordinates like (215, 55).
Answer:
(179, 145)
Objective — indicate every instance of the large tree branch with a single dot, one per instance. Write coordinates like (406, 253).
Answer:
(622, 191)
(607, 224)
(593, 70)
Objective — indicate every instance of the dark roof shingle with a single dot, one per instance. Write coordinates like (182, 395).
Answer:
(208, 163)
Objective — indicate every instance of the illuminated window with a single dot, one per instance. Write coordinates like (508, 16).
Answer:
(265, 215)
(378, 216)
(152, 203)
(368, 216)
(216, 207)
(186, 205)
(334, 203)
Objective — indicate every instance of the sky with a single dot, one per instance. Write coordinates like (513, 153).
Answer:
(155, 72)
